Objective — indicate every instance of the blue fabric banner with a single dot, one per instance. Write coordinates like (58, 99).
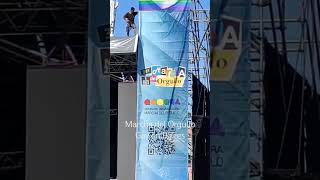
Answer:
(97, 146)
(230, 89)
(162, 118)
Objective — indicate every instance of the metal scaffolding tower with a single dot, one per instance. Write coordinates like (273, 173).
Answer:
(200, 42)
(199, 60)
(122, 67)
(294, 34)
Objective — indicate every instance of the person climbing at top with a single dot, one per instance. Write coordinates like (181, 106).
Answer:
(129, 18)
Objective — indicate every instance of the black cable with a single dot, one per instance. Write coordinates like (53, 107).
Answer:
(314, 94)
(284, 104)
(287, 111)
(314, 84)
(284, 50)
(302, 125)
(274, 33)
(281, 74)
(281, 9)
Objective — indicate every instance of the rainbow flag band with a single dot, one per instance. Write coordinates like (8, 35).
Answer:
(158, 5)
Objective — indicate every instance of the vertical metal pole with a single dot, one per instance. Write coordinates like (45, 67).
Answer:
(302, 133)
(305, 167)
(274, 33)
(261, 87)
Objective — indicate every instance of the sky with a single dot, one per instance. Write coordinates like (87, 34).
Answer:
(124, 7)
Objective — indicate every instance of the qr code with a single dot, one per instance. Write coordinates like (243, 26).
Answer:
(161, 140)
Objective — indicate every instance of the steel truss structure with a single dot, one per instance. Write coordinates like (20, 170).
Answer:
(40, 32)
(294, 34)
(122, 67)
(199, 42)
(43, 32)
(200, 67)
(11, 160)
(199, 60)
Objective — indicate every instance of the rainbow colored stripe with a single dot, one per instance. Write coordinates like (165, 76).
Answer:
(159, 5)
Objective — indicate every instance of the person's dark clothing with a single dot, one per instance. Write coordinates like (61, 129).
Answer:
(130, 16)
